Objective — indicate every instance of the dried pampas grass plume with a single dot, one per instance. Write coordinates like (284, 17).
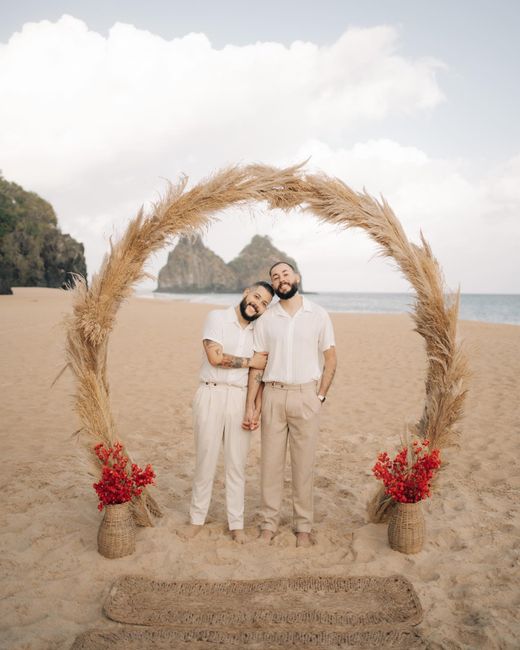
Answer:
(182, 211)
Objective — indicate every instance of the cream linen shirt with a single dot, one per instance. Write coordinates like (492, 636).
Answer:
(222, 326)
(295, 344)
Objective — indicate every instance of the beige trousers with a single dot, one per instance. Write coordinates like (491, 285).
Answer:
(290, 414)
(218, 411)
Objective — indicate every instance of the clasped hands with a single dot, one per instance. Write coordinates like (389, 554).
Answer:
(251, 419)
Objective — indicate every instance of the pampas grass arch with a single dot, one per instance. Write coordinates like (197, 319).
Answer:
(182, 211)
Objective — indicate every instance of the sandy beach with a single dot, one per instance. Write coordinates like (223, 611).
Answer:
(53, 579)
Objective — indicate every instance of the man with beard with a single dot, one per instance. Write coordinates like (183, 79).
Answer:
(219, 404)
(298, 337)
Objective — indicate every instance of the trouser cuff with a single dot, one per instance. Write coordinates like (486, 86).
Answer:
(197, 521)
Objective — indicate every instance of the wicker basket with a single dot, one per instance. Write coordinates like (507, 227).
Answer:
(116, 535)
(406, 528)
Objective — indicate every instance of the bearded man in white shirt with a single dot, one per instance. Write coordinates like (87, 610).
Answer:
(298, 337)
(219, 403)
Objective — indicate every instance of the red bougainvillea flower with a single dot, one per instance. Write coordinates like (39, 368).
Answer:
(408, 480)
(117, 484)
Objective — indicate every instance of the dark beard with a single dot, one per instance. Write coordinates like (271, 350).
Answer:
(243, 306)
(288, 294)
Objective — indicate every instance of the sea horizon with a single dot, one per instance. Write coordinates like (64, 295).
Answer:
(501, 308)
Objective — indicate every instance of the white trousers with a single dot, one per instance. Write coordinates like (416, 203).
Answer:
(218, 411)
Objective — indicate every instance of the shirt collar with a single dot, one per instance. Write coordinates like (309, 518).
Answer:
(307, 304)
(231, 317)
(280, 311)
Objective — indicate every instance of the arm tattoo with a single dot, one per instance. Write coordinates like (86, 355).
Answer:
(230, 361)
(258, 376)
(224, 360)
(329, 370)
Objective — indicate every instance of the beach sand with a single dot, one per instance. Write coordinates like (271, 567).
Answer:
(53, 579)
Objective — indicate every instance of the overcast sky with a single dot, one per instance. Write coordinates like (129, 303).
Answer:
(102, 101)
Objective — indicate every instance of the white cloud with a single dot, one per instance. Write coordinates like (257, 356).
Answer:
(80, 100)
(94, 123)
(502, 193)
(471, 221)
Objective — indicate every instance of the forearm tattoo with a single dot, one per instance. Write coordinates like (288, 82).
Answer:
(224, 360)
(329, 371)
(229, 361)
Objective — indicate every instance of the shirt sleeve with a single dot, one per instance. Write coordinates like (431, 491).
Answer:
(259, 336)
(213, 329)
(326, 339)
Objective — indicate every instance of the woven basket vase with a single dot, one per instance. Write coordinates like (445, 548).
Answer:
(116, 535)
(406, 528)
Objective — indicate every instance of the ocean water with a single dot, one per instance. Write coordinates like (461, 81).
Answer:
(490, 308)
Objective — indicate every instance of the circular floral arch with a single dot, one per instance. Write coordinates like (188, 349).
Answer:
(329, 199)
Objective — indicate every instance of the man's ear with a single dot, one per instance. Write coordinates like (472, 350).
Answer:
(245, 292)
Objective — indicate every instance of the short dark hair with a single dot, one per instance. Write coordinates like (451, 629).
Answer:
(265, 285)
(282, 262)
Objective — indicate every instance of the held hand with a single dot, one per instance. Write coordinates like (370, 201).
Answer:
(258, 361)
(255, 421)
(248, 417)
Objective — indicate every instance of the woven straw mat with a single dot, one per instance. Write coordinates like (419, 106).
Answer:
(303, 612)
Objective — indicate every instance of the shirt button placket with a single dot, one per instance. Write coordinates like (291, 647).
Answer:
(290, 346)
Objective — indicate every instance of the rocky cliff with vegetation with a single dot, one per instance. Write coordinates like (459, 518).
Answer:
(194, 268)
(33, 250)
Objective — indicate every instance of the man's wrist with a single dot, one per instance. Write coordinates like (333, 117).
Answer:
(322, 398)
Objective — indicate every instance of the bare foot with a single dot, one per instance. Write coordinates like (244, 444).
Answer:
(190, 531)
(266, 536)
(303, 540)
(238, 536)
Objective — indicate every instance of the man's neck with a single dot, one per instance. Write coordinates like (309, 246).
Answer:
(292, 305)
(242, 321)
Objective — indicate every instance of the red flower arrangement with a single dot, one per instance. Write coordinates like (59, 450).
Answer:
(407, 480)
(117, 484)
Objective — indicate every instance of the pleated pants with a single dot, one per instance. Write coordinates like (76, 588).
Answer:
(290, 417)
(218, 411)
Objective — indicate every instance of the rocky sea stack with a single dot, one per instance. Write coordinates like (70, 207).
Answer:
(33, 250)
(194, 268)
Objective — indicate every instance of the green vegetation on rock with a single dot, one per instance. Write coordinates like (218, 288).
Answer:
(33, 250)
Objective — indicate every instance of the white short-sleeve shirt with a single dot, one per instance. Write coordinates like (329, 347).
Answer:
(222, 326)
(295, 344)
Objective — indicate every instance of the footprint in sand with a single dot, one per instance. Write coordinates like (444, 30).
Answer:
(322, 482)
(428, 575)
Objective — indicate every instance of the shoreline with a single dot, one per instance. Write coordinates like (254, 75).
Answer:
(329, 300)
(228, 299)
